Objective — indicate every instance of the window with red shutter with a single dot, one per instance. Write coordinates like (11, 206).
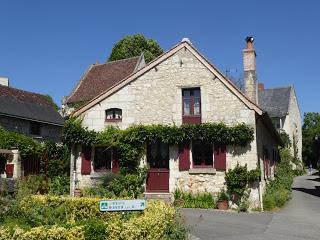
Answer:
(220, 158)
(191, 105)
(184, 156)
(86, 160)
(202, 154)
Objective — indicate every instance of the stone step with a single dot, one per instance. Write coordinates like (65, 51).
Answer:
(167, 197)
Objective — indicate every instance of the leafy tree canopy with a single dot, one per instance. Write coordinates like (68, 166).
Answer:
(311, 138)
(134, 45)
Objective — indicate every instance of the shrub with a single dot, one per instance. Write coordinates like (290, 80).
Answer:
(198, 200)
(43, 233)
(47, 210)
(59, 185)
(151, 224)
(99, 192)
(31, 185)
(49, 217)
(237, 181)
(95, 230)
(278, 192)
(109, 177)
(129, 185)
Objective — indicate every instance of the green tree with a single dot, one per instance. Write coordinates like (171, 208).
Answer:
(134, 45)
(311, 138)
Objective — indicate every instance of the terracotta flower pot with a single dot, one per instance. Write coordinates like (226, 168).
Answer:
(223, 205)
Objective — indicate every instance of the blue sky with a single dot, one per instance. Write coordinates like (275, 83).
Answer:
(45, 46)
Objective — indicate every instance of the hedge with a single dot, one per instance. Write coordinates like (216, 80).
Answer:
(48, 209)
(75, 218)
(42, 233)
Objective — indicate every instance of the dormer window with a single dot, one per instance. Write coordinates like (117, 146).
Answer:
(113, 115)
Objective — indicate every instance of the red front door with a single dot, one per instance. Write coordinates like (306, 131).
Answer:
(158, 174)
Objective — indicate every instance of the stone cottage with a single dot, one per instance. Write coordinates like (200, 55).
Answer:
(28, 113)
(180, 87)
(282, 106)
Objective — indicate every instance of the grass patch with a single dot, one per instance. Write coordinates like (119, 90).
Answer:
(198, 200)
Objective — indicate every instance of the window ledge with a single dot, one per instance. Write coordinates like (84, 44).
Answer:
(114, 120)
(202, 171)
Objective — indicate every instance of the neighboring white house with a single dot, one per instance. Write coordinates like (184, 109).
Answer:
(181, 86)
(283, 108)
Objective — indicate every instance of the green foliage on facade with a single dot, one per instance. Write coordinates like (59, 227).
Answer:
(134, 45)
(285, 139)
(12, 140)
(130, 143)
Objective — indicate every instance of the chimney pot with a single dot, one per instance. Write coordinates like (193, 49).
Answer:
(249, 41)
(260, 86)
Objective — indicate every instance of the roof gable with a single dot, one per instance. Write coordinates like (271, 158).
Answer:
(275, 101)
(162, 58)
(100, 77)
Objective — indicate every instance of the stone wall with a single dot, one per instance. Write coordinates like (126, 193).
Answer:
(292, 125)
(156, 98)
(22, 126)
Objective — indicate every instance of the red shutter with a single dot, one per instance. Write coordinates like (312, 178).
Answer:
(220, 158)
(86, 160)
(9, 170)
(184, 156)
(115, 166)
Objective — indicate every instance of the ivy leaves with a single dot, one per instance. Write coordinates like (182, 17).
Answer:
(219, 133)
(26, 145)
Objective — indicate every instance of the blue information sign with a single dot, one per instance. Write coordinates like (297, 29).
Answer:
(122, 205)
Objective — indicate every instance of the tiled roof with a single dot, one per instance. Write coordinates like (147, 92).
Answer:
(275, 101)
(101, 77)
(27, 105)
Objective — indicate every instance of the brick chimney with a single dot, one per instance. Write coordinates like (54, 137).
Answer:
(249, 65)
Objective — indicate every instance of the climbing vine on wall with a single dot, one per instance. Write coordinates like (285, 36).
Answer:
(26, 145)
(131, 141)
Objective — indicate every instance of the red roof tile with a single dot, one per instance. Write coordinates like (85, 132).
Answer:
(101, 77)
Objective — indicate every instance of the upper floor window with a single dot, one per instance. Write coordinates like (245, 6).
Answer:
(191, 105)
(113, 115)
(35, 128)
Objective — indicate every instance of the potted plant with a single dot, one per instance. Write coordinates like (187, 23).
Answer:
(223, 200)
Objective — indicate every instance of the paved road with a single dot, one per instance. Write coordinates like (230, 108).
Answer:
(299, 219)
